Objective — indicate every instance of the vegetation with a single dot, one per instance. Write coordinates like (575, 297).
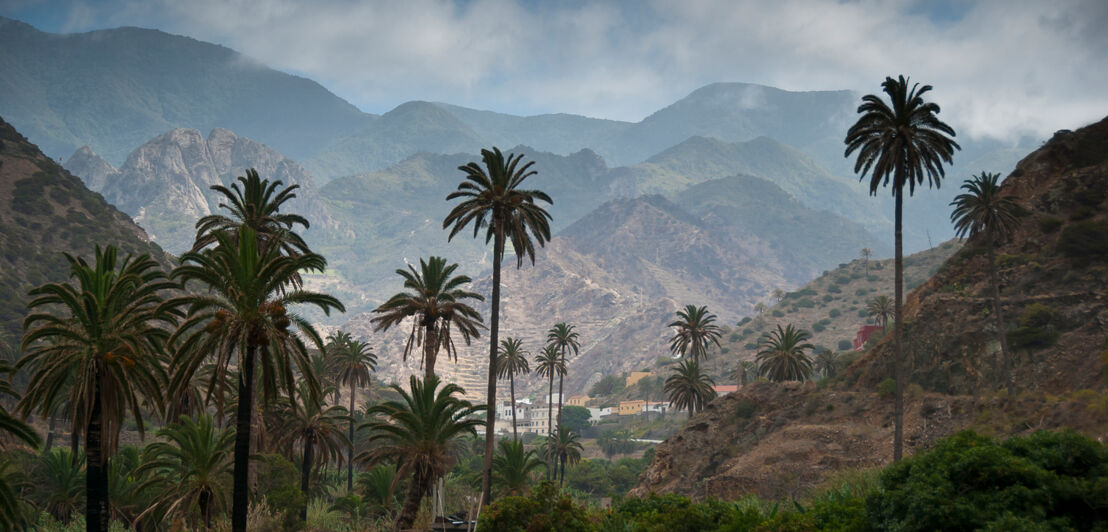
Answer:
(696, 331)
(904, 140)
(689, 388)
(511, 361)
(562, 337)
(491, 198)
(781, 356)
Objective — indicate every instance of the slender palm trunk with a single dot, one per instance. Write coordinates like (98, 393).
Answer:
(74, 443)
(898, 353)
(205, 503)
(550, 421)
(411, 502)
(1006, 356)
(494, 325)
(562, 479)
(561, 381)
(306, 475)
(241, 485)
(350, 450)
(96, 478)
(430, 351)
(512, 387)
(49, 435)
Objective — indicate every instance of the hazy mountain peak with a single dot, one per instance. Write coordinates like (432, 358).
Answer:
(90, 167)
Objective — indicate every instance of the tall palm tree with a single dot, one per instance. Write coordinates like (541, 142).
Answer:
(305, 423)
(512, 360)
(827, 363)
(492, 199)
(696, 331)
(983, 209)
(243, 319)
(688, 387)
(14, 427)
(191, 470)
(561, 447)
(352, 361)
(562, 336)
(257, 205)
(99, 341)
(905, 140)
(781, 356)
(866, 254)
(438, 302)
(881, 308)
(513, 467)
(420, 433)
(549, 363)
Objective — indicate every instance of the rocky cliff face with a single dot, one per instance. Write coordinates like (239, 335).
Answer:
(780, 440)
(166, 183)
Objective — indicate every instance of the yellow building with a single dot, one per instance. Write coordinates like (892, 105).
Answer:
(578, 400)
(636, 376)
(630, 408)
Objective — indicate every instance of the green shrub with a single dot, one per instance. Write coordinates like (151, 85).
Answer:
(834, 289)
(805, 303)
(745, 409)
(1050, 224)
(835, 313)
(745, 321)
(843, 279)
(735, 337)
(1088, 239)
(818, 327)
(677, 513)
(546, 509)
(862, 313)
(845, 345)
(778, 314)
(827, 298)
(886, 388)
(1038, 326)
(1046, 481)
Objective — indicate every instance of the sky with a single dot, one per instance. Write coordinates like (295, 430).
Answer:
(1004, 69)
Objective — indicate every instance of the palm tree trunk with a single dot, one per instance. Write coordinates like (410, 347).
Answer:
(74, 443)
(411, 503)
(49, 435)
(306, 475)
(350, 450)
(430, 343)
(562, 480)
(898, 353)
(1006, 356)
(96, 478)
(490, 397)
(205, 503)
(241, 485)
(550, 420)
(561, 381)
(512, 387)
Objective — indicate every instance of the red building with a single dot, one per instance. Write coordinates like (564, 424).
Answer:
(863, 335)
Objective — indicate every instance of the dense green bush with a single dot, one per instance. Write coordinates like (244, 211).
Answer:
(1046, 481)
(835, 313)
(546, 509)
(778, 314)
(1086, 240)
(886, 388)
(1038, 327)
(845, 345)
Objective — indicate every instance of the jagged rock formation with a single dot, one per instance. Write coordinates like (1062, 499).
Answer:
(166, 183)
(45, 211)
(780, 440)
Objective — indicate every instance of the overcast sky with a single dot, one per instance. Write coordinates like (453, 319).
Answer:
(1000, 68)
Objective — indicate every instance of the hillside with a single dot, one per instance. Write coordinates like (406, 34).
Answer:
(166, 183)
(782, 439)
(115, 89)
(47, 211)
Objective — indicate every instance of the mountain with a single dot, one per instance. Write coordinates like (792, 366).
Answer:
(783, 439)
(165, 183)
(113, 90)
(558, 133)
(47, 211)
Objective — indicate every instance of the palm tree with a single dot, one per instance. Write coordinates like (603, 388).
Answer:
(561, 447)
(827, 363)
(58, 483)
(256, 205)
(689, 388)
(513, 467)
(191, 468)
(743, 371)
(907, 141)
(696, 330)
(782, 356)
(512, 361)
(243, 318)
(760, 307)
(549, 363)
(778, 294)
(307, 424)
(491, 199)
(982, 209)
(437, 300)
(866, 254)
(102, 348)
(10, 425)
(352, 360)
(420, 433)
(881, 308)
(562, 336)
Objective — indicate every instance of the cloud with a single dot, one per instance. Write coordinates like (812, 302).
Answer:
(1000, 68)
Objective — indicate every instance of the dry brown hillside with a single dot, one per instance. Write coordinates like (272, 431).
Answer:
(779, 440)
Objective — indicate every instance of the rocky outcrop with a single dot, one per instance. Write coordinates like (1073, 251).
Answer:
(166, 183)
